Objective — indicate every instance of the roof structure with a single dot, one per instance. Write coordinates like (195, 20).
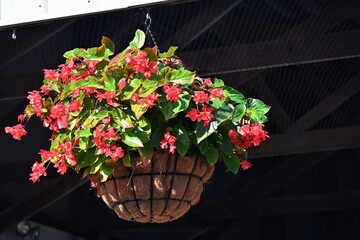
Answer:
(300, 57)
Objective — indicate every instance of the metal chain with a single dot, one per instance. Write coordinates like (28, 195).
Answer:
(148, 31)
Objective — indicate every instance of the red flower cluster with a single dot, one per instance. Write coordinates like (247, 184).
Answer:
(172, 93)
(149, 100)
(109, 96)
(35, 101)
(201, 97)
(16, 131)
(245, 165)
(38, 170)
(100, 139)
(205, 115)
(51, 156)
(248, 135)
(168, 142)
(141, 64)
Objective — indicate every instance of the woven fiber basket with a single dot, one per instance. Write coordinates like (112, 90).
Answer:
(161, 192)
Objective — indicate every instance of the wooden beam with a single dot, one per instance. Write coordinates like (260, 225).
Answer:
(265, 55)
(257, 189)
(200, 23)
(37, 43)
(329, 104)
(35, 203)
(278, 113)
(307, 142)
(301, 204)
(325, 19)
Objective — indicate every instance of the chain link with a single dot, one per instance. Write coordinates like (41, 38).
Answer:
(148, 31)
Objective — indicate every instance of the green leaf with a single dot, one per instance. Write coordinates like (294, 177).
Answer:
(131, 88)
(83, 142)
(122, 119)
(203, 132)
(100, 159)
(138, 109)
(100, 51)
(211, 155)
(131, 139)
(127, 160)
(80, 52)
(151, 54)
(108, 44)
(258, 105)
(84, 159)
(218, 83)
(54, 87)
(101, 65)
(138, 40)
(180, 76)
(148, 87)
(109, 82)
(146, 152)
(170, 53)
(216, 103)
(223, 113)
(69, 54)
(233, 95)
(238, 113)
(182, 139)
(158, 135)
(171, 109)
(83, 133)
(232, 162)
(105, 172)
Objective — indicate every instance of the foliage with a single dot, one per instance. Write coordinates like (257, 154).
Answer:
(104, 110)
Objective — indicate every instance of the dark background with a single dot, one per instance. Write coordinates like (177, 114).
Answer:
(300, 57)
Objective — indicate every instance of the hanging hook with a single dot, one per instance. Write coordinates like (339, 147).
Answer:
(147, 23)
(13, 36)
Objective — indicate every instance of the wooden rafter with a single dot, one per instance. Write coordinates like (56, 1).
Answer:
(329, 104)
(265, 55)
(200, 23)
(25, 208)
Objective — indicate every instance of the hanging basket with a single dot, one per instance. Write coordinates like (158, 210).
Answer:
(161, 192)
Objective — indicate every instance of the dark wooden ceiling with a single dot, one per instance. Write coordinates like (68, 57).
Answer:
(300, 57)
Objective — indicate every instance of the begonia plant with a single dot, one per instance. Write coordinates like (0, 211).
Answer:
(103, 111)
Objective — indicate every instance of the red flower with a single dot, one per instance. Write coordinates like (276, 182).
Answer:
(206, 115)
(109, 96)
(61, 165)
(74, 106)
(105, 121)
(59, 113)
(245, 164)
(201, 97)
(168, 142)
(172, 93)
(149, 100)
(21, 117)
(35, 101)
(216, 93)
(193, 114)
(140, 64)
(91, 66)
(207, 82)
(50, 74)
(38, 170)
(122, 84)
(16, 131)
